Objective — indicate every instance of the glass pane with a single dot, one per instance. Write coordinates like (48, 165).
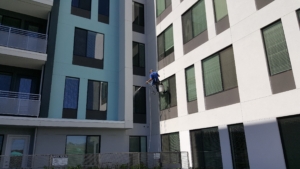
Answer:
(206, 150)
(139, 103)
(33, 28)
(25, 85)
(11, 22)
(17, 147)
(5, 81)
(134, 144)
(168, 3)
(220, 9)
(141, 55)
(103, 7)
(91, 40)
(173, 97)
(85, 4)
(1, 142)
(71, 93)
(174, 142)
(199, 18)
(238, 146)
(169, 43)
(228, 69)
(99, 47)
(93, 95)
(191, 84)
(143, 144)
(276, 49)
(92, 146)
(135, 54)
(212, 75)
(103, 101)
(165, 145)
(161, 47)
(160, 6)
(75, 3)
(165, 98)
(289, 131)
(187, 27)
(76, 145)
(138, 14)
(80, 42)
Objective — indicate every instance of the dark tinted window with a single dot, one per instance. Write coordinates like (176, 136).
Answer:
(80, 42)
(71, 93)
(169, 98)
(82, 4)
(137, 144)
(138, 52)
(97, 95)
(103, 7)
(5, 81)
(138, 14)
(170, 142)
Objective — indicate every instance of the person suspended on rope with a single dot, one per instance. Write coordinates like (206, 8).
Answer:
(154, 79)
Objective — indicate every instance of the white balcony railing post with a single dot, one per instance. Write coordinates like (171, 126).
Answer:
(9, 30)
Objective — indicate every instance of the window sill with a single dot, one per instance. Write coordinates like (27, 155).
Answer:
(221, 99)
(164, 14)
(282, 82)
(81, 12)
(192, 106)
(169, 113)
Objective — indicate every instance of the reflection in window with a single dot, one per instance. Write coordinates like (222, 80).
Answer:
(5, 81)
(71, 93)
(97, 95)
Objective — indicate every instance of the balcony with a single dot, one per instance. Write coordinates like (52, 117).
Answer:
(19, 104)
(22, 39)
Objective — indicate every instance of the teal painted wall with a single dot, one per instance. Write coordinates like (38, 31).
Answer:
(62, 65)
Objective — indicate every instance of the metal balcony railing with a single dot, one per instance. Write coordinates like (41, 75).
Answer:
(19, 104)
(23, 39)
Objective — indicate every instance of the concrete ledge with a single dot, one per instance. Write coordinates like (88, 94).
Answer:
(48, 122)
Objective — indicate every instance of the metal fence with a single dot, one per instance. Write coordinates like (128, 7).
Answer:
(98, 161)
(23, 39)
(22, 104)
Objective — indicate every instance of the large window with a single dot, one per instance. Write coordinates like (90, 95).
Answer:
(219, 72)
(220, 9)
(165, 43)
(139, 104)
(81, 8)
(238, 146)
(10, 21)
(190, 84)
(290, 138)
(97, 100)
(137, 144)
(83, 145)
(276, 48)
(138, 17)
(138, 58)
(169, 98)
(170, 142)
(206, 149)
(103, 11)
(71, 93)
(194, 21)
(88, 48)
(161, 5)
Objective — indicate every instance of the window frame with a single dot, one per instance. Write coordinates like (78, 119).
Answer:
(192, 25)
(11, 79)
(231, 146)
(168, 52)
(138, 43)
(169, 143)
(86, 140)
(186, 83)
(77, 90)
(202, 67)
(265, 51)
(140, 151)
(143, 25)
(87, 109)
(168, 79)
(165, 2)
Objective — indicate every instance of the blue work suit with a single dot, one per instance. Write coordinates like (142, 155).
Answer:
(155, 81)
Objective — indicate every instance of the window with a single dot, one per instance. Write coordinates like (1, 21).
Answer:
(138, 17)
(5, 81)
(138, 58)
(97, 100)
(220, 9)
(238, 146)
(169, 98)
(289, 130)
(170, 142)
(88, 48)
(81, 8)
(206, 149)
(82, 145)
(161, 5)
(103, 11)
(298, 14)
(194, 21)
(219, 72)
(276, 48)
(11, 22)
(190, 84)
(71, 93)
(165, 43)
(139, 104)
(137, 144)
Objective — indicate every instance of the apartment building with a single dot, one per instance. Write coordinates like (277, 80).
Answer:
(68, 72)
(231, 71)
